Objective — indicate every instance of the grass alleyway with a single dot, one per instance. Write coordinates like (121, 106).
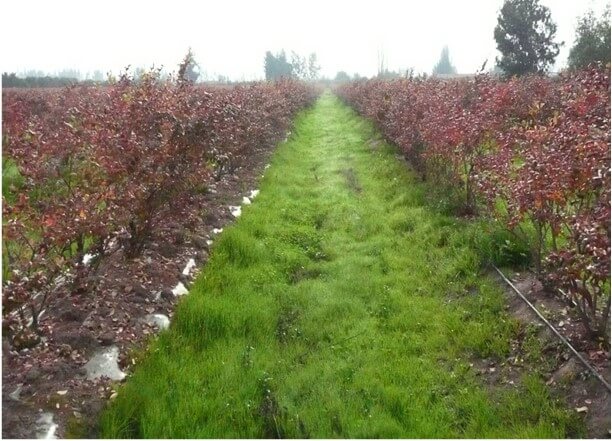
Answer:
(338, 305)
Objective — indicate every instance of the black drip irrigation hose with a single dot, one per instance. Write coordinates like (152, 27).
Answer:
(552, 328)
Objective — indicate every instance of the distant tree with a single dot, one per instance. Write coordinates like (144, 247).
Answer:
(525, 36)
(387, 74)
(98, 76)
(33, 73)
(65, 73)
(313, 66)
(189, 68)
(444, 65)
(284, 68)
(269, 66)
(409, 73)
(298, 66)
(138, 73)
(12, 80)
(342, 77)
(277, 66)
(592, 42)
(382, 67)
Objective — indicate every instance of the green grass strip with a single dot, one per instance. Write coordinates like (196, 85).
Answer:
(338, 305)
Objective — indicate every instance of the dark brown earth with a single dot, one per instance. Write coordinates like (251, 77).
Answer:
(568, 379)
(110, 312)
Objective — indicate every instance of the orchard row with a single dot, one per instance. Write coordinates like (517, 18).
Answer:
(103, 167)
(533, 151)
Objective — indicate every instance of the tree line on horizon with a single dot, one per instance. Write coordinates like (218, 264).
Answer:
(279, 66)
(524, 34)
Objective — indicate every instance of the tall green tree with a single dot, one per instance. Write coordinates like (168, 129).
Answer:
(525, 36)
(342, 77)
(444, 65)
(592, 42)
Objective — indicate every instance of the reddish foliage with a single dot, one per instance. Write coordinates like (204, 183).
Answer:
(109, 164)
(534, 149)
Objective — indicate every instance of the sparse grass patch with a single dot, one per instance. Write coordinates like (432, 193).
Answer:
(12, 180)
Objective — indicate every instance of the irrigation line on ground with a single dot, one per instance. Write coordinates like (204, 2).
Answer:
(563, 339)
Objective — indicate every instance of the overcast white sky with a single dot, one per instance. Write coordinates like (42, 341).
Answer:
(231, 37)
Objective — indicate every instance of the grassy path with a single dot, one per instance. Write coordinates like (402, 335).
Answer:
(337, 306)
